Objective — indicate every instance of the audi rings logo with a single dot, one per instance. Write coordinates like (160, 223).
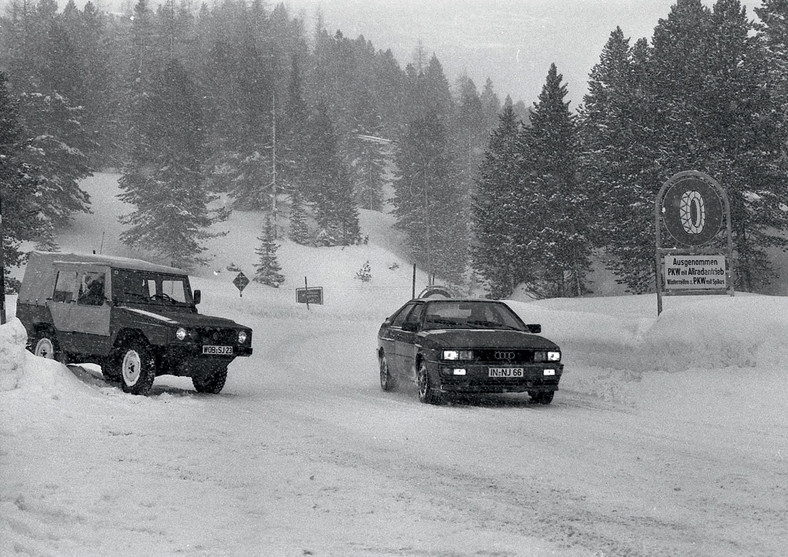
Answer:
(692, 208)
(504, 355)
(693, 212)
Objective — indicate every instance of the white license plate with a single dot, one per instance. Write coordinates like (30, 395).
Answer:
(217, 349)
(505, 372)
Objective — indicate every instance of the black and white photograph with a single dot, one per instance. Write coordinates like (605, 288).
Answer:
(394, 278)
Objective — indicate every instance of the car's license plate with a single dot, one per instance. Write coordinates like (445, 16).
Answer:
(209, 349)
(505, 372)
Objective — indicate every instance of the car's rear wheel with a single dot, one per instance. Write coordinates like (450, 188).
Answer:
(45, 345)
(387, 382)
(427, 393)
(137, 368)
(543, 397)
(213, 383)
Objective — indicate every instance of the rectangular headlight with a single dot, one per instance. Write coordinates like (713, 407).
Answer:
(457, 355)
(553, 356)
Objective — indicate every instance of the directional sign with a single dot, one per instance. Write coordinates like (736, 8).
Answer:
(240, 283)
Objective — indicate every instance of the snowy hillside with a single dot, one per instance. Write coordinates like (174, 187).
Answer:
(667, 436)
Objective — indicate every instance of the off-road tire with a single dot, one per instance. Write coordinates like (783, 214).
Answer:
(427, 393)
(212, 384)
(387, 381)
(44, 344)
(136, 367)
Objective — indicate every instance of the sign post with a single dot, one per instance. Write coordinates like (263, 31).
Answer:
(307, 295)
(240, 283)
(691, 207)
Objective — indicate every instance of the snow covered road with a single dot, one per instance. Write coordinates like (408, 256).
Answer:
(303, 454)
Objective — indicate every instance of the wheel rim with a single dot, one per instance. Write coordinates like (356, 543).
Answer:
(424, 387)
(132, 364)
(384, 373)
(45, 349)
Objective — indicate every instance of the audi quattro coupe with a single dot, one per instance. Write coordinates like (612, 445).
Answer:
(466, 346)
(137, 320)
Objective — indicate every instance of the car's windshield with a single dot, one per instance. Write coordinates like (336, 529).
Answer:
(140, 287)
(470, 315)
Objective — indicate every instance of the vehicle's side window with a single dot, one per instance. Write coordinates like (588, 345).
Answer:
(400, 317)
(415, 315)
(65, 286)
(150, 286)
(174, 289)
(91, 288)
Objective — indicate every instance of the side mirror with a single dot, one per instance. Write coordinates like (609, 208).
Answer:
(197, 297)
(535, 328)
(410, 326)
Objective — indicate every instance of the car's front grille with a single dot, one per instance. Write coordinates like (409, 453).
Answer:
(215, 336)
(504, 357)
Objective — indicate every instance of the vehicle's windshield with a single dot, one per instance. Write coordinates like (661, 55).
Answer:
(140, 287)
(470, 315)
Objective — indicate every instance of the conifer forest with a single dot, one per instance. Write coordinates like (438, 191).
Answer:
(239, 100)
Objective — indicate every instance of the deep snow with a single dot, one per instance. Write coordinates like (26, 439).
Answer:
(668, 436)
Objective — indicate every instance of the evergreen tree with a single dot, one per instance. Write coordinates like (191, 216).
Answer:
(21, 212)
(268, 267)
(554, 243)
(330, 184)
(299, 230)
(366, 150)
(430, 204)
(495, 213)
(617, 159)
(164, 180)
(56, 138)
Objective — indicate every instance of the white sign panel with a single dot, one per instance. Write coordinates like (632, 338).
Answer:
(695, 272)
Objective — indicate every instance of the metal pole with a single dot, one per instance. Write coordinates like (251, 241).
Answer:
(413, 287)
(306, 293)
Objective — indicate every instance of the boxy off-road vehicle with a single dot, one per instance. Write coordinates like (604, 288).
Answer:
(135, 319)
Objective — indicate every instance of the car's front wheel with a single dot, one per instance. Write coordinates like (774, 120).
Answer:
(543, 397)
(137, 368)
(212, 383)
(427, 393)
(387, 382)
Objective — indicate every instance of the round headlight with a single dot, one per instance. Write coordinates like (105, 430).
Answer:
(241, 337)
(180, 334)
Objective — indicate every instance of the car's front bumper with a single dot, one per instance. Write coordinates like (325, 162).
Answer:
(477, 378)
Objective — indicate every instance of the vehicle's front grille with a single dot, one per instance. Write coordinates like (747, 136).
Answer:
(504, 357)
(216, 336)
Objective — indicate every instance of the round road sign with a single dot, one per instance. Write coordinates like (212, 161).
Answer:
(692, 208)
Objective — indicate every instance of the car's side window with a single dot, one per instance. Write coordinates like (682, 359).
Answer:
(65, 286)
(400, 317)
(91, 289)
(415, 315)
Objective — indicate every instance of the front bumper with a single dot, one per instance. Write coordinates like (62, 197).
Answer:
(535, 378)
(189, 361)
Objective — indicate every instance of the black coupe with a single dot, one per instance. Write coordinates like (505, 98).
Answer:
(466, 346)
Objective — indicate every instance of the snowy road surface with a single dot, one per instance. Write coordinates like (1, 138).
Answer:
(302, 454)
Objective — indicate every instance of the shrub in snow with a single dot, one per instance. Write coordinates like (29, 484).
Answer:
(365, 273)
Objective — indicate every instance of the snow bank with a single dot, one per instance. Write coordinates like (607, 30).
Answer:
(12, 354)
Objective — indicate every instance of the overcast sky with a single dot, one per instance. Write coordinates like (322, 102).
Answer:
(511, 41)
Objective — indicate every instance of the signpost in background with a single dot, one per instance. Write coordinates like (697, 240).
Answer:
(692, 207)
(240, 282)
(307, 295)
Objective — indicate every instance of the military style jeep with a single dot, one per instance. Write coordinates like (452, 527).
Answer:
(135, 319)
